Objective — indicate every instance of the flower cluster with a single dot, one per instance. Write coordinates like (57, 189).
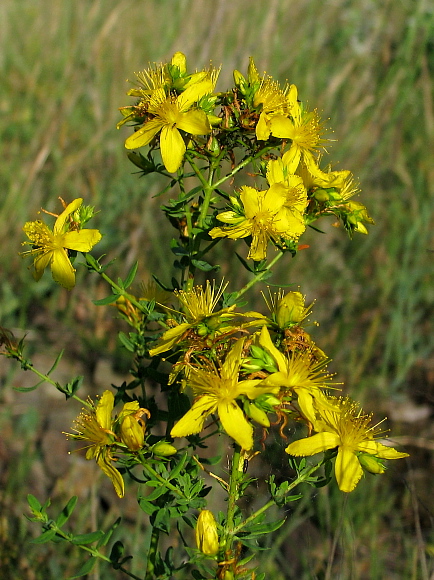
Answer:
(180, 114)
(236, 370)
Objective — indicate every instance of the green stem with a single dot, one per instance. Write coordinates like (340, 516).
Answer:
(152, 553)
(258, 277)
(156, 475)
(233, 495)
(118, 289)
(241, 165)
(28, 365)
(302, 477)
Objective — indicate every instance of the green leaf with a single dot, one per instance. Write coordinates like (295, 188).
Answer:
(158, 492)
(28, 389)
(131, 275)
(147, 507)
(105, 539)
(261, 529)
(34, 504)
(177, 470)
(56, 362)
(126, 342)
(47, 536)
(107, 300)
(85, 569)
(67, 511)
(70, 388)
(117, 552)
(81, 539)
(204, 266)
(245, 264)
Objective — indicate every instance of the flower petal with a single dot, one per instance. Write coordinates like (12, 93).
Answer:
(169, 338)
(231, 366)
(235, 424)
(41, 262)
(263, 127)
(82, 241)
(266, 342)
(192, 422)
(348, 470)
(194, 122)
(105, 465)
(312, 445)
(172, 148)
(70, 208)
(386, 452)
(144, 135)
(194, 93)
(61, 269)
(250, 198)
(282, 127)
(104, 410)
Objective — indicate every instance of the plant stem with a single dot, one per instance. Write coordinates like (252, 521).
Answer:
(233, 495)
(259, 276)
(152, 552)
(301, 477)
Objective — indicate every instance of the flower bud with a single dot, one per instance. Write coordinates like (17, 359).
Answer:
(371, 463)
(207, 540)
(214, 146)
(132, 433)
(290, 309)
(240, 81)
(179, 60)
(258, 415)
(321, 195)
(163, 449)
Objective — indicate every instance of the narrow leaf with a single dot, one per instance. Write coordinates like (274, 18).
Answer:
(33, 503)
(45, 537)
(131, 275)
(107, 300)
(81, 539)
(67, 511)
(85, 569)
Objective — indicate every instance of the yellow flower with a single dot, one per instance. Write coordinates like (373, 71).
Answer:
(50, 247)
(95, 426)
(314, 178)
(170, 115)
(216, 392)
(198, 305)
(276, 214)
(301, 374)
(343, 426)
(302, 127)
(265, 95)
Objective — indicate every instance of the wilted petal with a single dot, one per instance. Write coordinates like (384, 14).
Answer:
(106, 466)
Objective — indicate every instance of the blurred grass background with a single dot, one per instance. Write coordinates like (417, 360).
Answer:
(369, 68)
